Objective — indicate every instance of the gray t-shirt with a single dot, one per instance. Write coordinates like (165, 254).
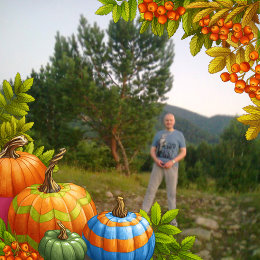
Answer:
(167, 144)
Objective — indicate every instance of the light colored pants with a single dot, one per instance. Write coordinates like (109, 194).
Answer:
(171, 180)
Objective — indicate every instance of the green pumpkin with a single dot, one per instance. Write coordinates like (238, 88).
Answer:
(62, 245)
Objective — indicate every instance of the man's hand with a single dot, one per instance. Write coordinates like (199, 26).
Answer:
(169, 164)
(159, 163)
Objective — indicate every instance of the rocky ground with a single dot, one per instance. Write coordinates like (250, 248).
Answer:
(226, 227)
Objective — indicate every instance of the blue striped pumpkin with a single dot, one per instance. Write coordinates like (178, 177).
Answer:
(109, 236)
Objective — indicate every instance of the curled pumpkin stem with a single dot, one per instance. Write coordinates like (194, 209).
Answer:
(49, 185)
(119, 210)
(10, 147)
(63, 234)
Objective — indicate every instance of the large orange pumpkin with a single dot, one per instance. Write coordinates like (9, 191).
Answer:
(18, 170)
(38, 208)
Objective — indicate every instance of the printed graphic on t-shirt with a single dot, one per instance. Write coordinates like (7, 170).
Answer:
(164, 149)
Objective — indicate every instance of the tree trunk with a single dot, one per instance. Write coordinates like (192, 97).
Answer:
(126, 163)
(114, 151)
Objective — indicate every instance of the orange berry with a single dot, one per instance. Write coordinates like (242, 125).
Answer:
(257, 76)
(247, 89)
(235, 67)
(2, 257)
(223, 37)
(257, 92)
(156, 14)
(14, 245)
(252, 95)
(220, 22)
(250, 36)
(161, 10)
(253, 55)
(214, 29)
(213, 37)
(247, 29)
(10, 257)
(169, 5)
(225, 76)
(25, 247)
(237, 27)
(201, 22)
(253, 88)
(29, 258)
(244, 40)
(181, 10)
(257, 69)
(224, 30)
(257, 97)
(245, 66)
(240, 84)
(34, 256)
(8, 253)
(148, 16)
(234, 39)
(24, 255)
(162, 19)
(229, 24)
(171, 15)
(233, 77)
(206, 21)
(205, 30)
(148, 1)
(239, 90)
(238, 34)
(152, 7)
(206, 17)
(6, 248)
(18, 258)
(254, 82)
(142, 7)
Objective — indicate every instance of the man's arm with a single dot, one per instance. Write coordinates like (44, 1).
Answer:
(179, 157)
(153, 155)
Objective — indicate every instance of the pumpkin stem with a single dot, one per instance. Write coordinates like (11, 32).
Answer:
(63, 234)
(119, 210)
(9, 148)
(49, 185)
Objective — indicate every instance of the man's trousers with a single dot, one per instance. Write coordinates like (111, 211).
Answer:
(171, 180)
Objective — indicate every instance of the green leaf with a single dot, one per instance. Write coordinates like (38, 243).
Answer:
(20, 123)
(187, 242)
(8, 91)
(125, 11)
(162, 248)
(230, 60)
(8, 238)
(185, 35)
(144, 26)
(174, 245)
(2, 100)
(217, 64)
(218, 15)
(2, 245)
(187, 19)
(202, 13)
(241, 2)
(23, 97)
(172, 27)
(226, 3)
(160, 29)
(133, 7)
(116, 13)
(154, 26)
(15, 110)
(174, 257)
(39, 151)
(145, 215)
(196, 44)
(169, 229)
(169, 216)
(2, 228)
(28, 137)
(106, 2)
(189, 256)
(26, 85)
(218, 51)
(207, 41)
(29, 148)
(105, 9)
(8, 129)
(17, 83)
(249, 13)
(27, 126)
(162, 238)
(3, 133)
(156, 213)
(234, 12)
(47, 156)
(5, 117)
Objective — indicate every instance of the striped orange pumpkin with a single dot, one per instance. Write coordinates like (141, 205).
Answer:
(38, 208)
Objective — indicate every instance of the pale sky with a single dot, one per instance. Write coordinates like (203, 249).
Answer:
(27, 37)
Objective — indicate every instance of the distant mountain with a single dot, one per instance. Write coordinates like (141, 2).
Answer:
(195, 127)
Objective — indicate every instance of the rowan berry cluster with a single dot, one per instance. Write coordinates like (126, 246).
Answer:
(163, 13)
(221, 30)
(253, 88)
(20, 251)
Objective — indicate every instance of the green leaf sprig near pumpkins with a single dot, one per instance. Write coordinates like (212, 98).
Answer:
(37, 208)
(62, 245)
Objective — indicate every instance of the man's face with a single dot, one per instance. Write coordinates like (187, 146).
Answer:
(169, 121)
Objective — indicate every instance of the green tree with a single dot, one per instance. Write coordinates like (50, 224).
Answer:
(116, 87)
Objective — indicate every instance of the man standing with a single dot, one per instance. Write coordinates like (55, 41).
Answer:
(168, 148)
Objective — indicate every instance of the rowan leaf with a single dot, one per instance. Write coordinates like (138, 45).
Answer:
(160, 29)
(203, 5)
(162, 248)
(27, 126)
(217, 64)
(230, 60)
(218, 51)
(174, 245)
(248, 50)
(252, 110)
(189, 256)
(174, 257)
(218, 15)
(169, 229)
(186, 19)
(27, 84)
(154, 26)
(256, 101)
(252, 132)
(23, 97)
(39, 151)
(156, 213)
(29, 148)
(106, 2)
(196, 44)
(105, 9)
(226, 3)
(144, 26)
(125, 10)
(230, 42)
(2, 100)
(132, 11)
(8, 91)
(2, 245)
(162, 238)
(241, 2)
(240, 55)
(248, 118)
(172, 27)
(234, 12)
(169, 216)
(8, 238)
(207, 41)
(145, 215)
(17, 83)
(117, 10)
(187, 242)
(249, 13)
(254, 28)
(202, 13)
(2, 228)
